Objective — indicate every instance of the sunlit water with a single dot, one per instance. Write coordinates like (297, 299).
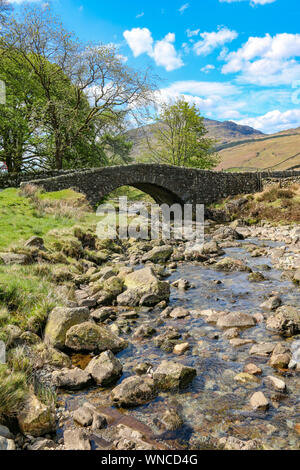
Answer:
(215, 405)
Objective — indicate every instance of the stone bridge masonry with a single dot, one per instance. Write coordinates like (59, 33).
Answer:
(166, 184)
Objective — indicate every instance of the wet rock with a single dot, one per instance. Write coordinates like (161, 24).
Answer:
(149, 300)
(133, 391)
(231, 333)
(231, 264)
(281, 357)
(285, 321)
(144, 331)
(71, 379)
(83, 416)
(236, 320)
(262, 349)
(181, 284)
(256, 277)
(271, 304)
(295, 361)
(212, 248)
(105, 369)
(60, 320)
(172, 420)
(6, 444)
(179, 312)
(35, 418)
(258, 401)
(130, 439)
(5, 432)
(76, 439)
(244, 377)
(143, 368)
(141, 283)
(172, 375)
(252, 369)
(181, 348)
(210, 315)
(296, 277)
(167, 340)
(232, 443)
(159, 254)
(93, 338)
(42, 444)
(103, 313)
(227, 233)
(239, 342)
(276, 383)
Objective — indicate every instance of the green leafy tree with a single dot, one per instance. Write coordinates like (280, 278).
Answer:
(179, 138)
(86, 87)
(20, 116)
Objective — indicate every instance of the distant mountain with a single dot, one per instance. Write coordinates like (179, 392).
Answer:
(224, 132)
(279, 151)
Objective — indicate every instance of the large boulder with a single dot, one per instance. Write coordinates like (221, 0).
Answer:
(93, 338)
(141, 283)
(281, 357)
(172, 375)
(285, 321)
(71, 379)
(159, 254)
(60, 320)
(6, 444)
(76, 439)
(236, 320)
(105, 369)
(227, 233)
(231, 264)
(133, 391)
(35, 418)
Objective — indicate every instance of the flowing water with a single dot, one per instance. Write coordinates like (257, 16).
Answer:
(215, 405)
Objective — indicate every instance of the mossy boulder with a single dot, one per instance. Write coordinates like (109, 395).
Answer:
(172, 375)
(93, 338)
(141, 283)
(35, 418)
(231, 264)
(60, 320)
(133, 391)
(159, 254)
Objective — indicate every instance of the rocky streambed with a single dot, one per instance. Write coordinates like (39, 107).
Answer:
(199, 351)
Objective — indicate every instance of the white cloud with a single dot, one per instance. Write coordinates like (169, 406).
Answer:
(190, 33)
(207, 68)
(139, 40)
(183, 8)
(266, 60)
(18, 2)
(274, 121)
(163, 52)
(140, 15)
(252, 2)
(211, 41)
(212, 98)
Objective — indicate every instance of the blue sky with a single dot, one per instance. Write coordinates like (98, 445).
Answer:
(235, 59)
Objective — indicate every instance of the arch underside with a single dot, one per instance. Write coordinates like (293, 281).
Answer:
(158, 193)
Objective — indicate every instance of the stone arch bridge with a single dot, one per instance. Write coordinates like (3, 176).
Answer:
(166, 184)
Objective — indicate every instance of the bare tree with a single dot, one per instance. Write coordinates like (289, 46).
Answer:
(5, 8)
(103, 88)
